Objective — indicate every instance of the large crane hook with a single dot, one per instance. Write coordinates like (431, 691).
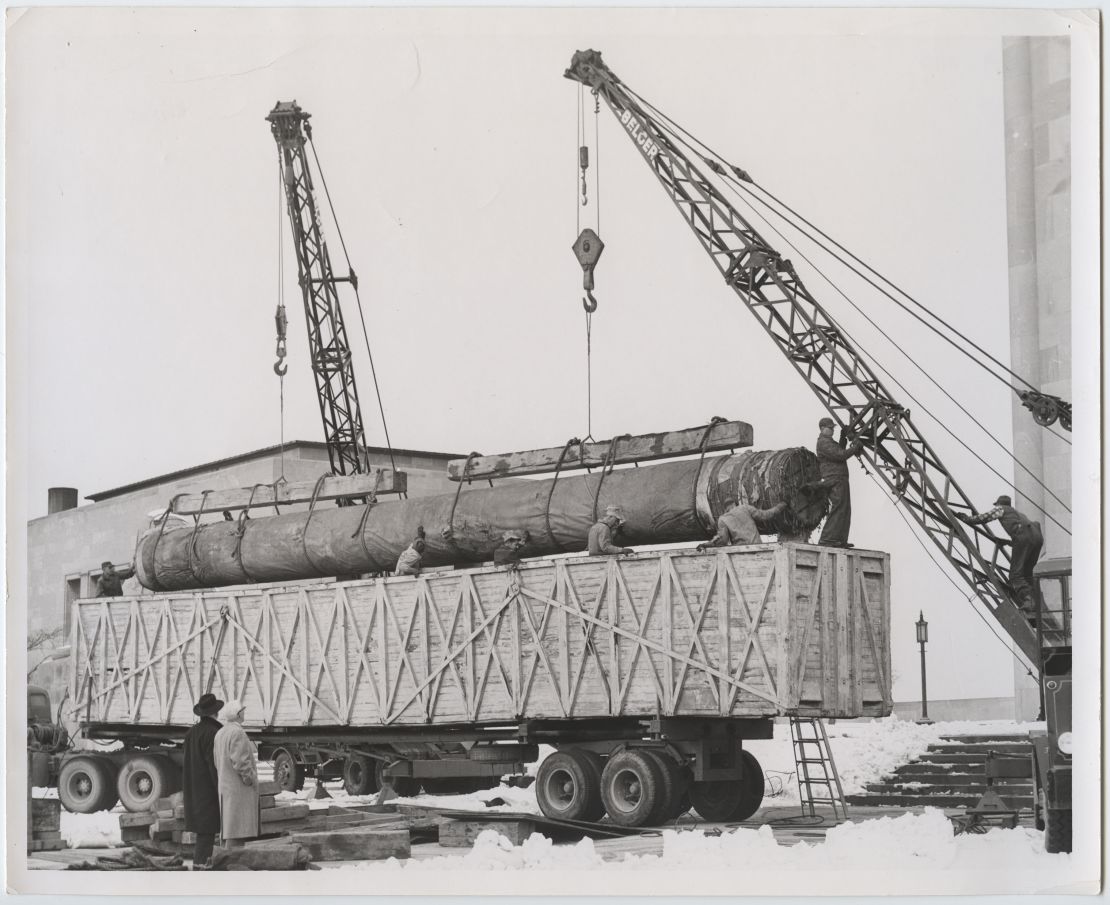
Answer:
(588, 248)
(281, 366)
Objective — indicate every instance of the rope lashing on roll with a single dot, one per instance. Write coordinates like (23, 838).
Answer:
(448, 533)
(713, 422)
(573, 441)
(607, 467)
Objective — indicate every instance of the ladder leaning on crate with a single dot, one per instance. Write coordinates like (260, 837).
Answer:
(816, 769)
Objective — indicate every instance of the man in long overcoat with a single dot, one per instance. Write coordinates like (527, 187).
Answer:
(202, 800)
(238, 778)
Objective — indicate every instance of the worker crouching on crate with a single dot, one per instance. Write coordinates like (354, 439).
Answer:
(201, 780)
(408, 563)
(238, 778)
(507, 553)
(600, 539)
(737, 525)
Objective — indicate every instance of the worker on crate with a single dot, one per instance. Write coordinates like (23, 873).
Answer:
(408, 563)
(507, 552)
(1025, 535)
(600, 539)
(109, 583)
(738, 524)
(832, 460)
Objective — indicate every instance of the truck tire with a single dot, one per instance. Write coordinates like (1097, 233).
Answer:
(717, 800)
(143, 779)
(87, 785)
(403, 786)
(674, 787)
(359, 776)
(288, 774)
(751, 784)
(504, 754)
(568, 786)
(1057, 832)
(631, 787)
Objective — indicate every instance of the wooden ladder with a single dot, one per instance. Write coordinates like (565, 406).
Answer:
(818, 781)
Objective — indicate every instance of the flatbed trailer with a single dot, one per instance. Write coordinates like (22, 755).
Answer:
(646, 671)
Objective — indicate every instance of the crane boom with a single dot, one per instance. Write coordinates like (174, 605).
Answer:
(834, 369)
(327, 335)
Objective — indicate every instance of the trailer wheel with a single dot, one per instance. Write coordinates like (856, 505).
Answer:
(631, 787)
(87, 785)
(359, 776)
(674, 787)
(1057, 832)
(143, 779)
(288, 774)
(402, 786)
(751, 784)
(717, 800)
(568, 785)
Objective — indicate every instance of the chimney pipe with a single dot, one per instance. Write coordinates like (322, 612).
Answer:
(59, 499)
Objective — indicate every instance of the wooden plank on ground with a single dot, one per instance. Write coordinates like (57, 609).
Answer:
(268, 788)
(333, 487)
(133, 820)
(285, 812)
(354, 844)
(464, 832)
(642, 448)
(337, 809)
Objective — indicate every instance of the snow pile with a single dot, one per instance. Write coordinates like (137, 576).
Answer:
(99, 830)
(494, 852)
(517, 801)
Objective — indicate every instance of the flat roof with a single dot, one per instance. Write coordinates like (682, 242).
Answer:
(255, 454)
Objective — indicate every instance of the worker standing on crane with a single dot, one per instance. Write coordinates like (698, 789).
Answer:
(737, 525)
(832, 459)
(599, 541)
(1025, 534)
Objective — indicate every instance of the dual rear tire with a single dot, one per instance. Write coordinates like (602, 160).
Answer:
(641, 787)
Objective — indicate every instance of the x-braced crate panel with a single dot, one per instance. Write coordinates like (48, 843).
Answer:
(748, 632)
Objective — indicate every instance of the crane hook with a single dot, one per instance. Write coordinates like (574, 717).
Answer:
(281, 367)
(589, 302)
(587, 248)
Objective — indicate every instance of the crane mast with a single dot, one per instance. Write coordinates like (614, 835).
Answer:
(327, 335)
(838, 374)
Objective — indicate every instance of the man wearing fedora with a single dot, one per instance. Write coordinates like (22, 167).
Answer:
(600, 539)
(201, 789)
(1025, 535)
(832, 460)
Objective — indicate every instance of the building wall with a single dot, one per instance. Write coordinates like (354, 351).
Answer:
(65, 549)
(1037, 109)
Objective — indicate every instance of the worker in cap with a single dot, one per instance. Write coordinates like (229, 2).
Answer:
(739, 523)
(832, 461)
(411, 558)
(507, 553)
(109, 583)
(1025, 535)
(600, 539)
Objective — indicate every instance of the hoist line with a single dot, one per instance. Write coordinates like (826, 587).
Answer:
(281, 304)
(358, 301)
(875, 363)
(737, 184)
(693, 141)
(969, 597)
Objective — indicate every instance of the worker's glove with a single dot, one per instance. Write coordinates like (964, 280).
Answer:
(701, 548)
(626, 551)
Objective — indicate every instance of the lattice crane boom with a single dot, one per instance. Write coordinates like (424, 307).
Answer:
(327, 336)
(834, 369)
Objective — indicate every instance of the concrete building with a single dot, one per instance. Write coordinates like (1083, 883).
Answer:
(66, 547)
(1036, 75)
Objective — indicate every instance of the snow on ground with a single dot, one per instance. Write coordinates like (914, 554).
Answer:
(99, 830)
(909, 842)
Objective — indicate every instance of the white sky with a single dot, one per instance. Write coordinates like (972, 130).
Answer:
(143, 217)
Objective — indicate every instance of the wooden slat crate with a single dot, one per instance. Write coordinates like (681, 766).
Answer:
(765, 630)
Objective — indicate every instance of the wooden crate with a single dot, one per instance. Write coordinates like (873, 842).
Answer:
(759, 631)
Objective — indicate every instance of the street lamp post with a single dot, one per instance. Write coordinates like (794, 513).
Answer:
(922, 637)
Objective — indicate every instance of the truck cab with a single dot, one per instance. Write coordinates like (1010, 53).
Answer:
(1052, 747)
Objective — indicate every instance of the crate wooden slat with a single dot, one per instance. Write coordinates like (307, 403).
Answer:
(757, 631)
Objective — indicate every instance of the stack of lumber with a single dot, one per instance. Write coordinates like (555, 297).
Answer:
(46, 826)
(275, 816)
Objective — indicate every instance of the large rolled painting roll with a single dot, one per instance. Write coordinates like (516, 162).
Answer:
(670, 502)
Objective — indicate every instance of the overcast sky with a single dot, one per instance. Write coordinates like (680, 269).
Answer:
(144, 215)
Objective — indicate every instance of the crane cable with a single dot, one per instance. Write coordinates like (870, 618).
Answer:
(737, 183)
(358, 300)
(280, 366)
(589, 304)
(695, 143)
(903, 388)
